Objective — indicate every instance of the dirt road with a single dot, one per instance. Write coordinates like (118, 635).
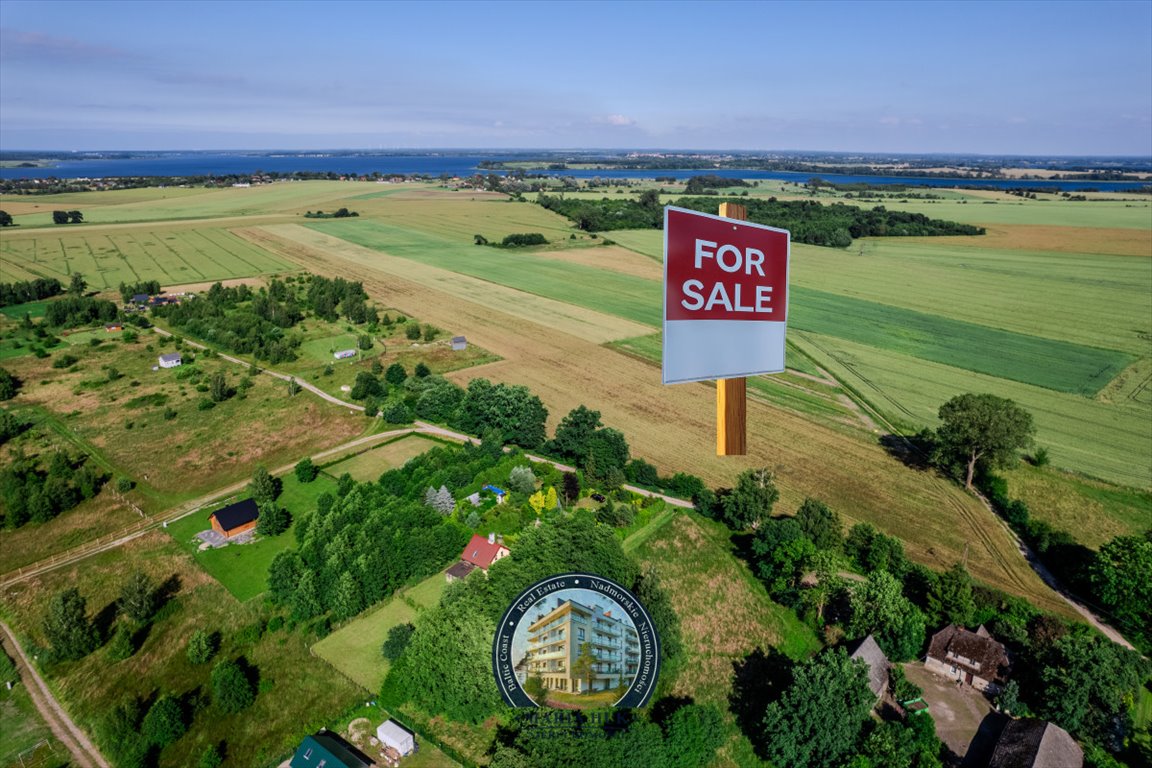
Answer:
(84, 752)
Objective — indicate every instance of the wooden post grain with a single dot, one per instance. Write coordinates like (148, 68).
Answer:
(731, 394)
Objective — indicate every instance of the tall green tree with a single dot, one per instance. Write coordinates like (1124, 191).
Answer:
(751, 501)
(5, 219)
(232, 691)
(879, 608)
(9, 384)
(201, 647)
(164, 722)
(573, 433)
(820, 524)
(982, 431)
(263, 488)
(584, 667)
(950, 598)
(67, 626)
(1121, 576)
(77, 284)
(306, 471)
(817, 721)
(139, 598)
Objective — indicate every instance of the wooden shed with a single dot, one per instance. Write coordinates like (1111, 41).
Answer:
(235, 519)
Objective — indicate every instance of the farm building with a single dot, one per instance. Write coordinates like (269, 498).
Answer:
(459, 343)
(394, 736)
(235, 519)
(1036, 744)
(344, 354)
(479, 553)
(171, 360)
(327, 750)
(869, 652)
(974, 658)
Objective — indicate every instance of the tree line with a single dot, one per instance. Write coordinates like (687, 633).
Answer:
(808, 221)
(12, 294)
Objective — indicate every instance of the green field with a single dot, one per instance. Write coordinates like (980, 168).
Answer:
(369, 465)
(106, 259)
(354, 649)
(241, 568)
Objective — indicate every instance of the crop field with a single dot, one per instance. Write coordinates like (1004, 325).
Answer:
(108, 258)
(567, 367)
(173, 204)
(1097, 512)
(632, 298)
(298, 691)
(368, 466)
(1108, 441)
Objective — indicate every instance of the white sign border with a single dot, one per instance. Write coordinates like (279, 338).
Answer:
(664, 297)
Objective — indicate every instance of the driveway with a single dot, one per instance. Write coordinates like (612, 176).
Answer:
(957, 710)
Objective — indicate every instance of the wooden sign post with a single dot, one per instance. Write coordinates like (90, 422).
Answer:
(732, 394)
(725, 308)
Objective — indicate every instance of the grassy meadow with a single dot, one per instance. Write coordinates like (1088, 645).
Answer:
(369, 465)
(298, 692)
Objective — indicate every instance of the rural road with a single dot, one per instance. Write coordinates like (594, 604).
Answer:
(84, 752)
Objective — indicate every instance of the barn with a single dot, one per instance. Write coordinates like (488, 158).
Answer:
(235, 519)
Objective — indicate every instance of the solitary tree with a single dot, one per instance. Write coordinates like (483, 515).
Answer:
(77, 285)
(5, 219)
(232, 691)
(201, 647)
(522, 480)
(218, 388)
(67, 627)
(751, 501)
(8, 385)
(306, 471)
(395, 374)
(164, 722)
(138, 598)
(263, 488)
(982, 430)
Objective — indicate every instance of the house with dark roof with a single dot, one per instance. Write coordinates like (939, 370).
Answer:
(327, 750)
(1032, 743)
(974, 658)
(235, 519)
(479, 553)
(171, 360)
(869, 652)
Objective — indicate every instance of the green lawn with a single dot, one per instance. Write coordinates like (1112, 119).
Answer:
(369, 465)
(35, 309)
(300, 498)
(354, 649)
(241, 568)
(427, 593)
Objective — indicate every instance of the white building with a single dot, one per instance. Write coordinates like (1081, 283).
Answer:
(171, 360)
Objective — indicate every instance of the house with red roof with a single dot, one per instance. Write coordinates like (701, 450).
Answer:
(479, 553)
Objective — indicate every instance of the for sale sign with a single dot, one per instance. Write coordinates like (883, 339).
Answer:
(725, 297)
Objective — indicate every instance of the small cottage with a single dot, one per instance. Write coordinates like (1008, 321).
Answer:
(974, 658)
(235, 519)
(110, 327)
(459, 343)
(479, 553)
(1031, 743)
(171, 360)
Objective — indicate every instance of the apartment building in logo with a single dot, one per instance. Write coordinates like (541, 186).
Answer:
(576, 647)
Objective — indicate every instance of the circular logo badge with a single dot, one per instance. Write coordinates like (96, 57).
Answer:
(576, 641)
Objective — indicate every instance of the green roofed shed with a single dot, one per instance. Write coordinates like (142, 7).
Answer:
(328, 750)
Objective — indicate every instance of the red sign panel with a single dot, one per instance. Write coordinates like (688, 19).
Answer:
(723, 269)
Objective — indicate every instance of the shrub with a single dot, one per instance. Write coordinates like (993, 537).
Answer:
(412, 332)
(202, 647)
(124, 485)
(232, 691)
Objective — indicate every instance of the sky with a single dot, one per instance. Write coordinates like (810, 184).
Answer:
(1030, 78)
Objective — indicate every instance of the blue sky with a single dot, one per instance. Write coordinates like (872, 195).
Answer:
(973, 77)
